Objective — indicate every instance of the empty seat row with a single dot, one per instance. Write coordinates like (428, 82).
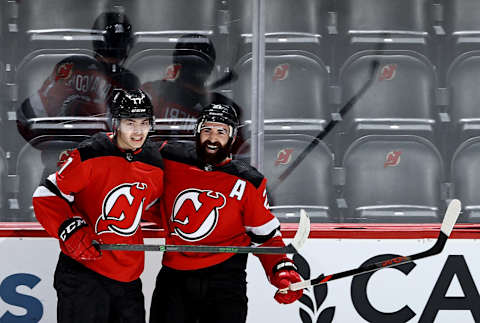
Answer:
(380, 178)
(308, 25)
(35, 26)
(386, 91)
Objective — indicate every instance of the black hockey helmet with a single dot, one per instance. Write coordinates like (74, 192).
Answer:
(117, 35)
(130, 104)
(195, 42)
(222, 113)
(195, 45)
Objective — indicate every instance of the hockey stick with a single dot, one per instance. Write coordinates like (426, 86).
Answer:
(449, 220)
(298, 241)
(330, 125)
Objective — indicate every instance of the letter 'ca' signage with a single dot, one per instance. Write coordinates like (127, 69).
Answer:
(440, 289)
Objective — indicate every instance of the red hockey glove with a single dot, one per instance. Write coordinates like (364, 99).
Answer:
(76, 239)
(283, 274)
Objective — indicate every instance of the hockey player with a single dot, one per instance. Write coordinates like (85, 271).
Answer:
(100, 193)
(185, 90)
(182, 92)
(80, 85)
(214, 200)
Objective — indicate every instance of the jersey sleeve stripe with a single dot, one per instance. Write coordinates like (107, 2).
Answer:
(42, 191)
(265, 232)
(259, 240)
(51, 184)
(264, 229)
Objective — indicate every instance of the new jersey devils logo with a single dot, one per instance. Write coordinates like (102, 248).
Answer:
(122, 209)
(64, 71)
(284, 156)
(388, 72)
(280, 72)
(172, 72)
(195, 213)
(392, 159)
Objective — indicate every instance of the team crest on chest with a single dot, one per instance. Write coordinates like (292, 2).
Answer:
(195, 213)
(122, 209)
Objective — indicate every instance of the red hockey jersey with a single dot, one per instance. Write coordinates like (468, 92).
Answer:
(225, 205)
(78, 86)
(110, 189)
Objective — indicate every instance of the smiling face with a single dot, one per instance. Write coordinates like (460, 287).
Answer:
(213, 143)
(131, 133)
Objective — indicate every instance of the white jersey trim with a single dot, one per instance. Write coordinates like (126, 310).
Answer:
(42, 191)
(256, 244)
(53, 179)
(264, 229)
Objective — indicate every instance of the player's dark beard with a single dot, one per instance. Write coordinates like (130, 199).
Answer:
(212, 159)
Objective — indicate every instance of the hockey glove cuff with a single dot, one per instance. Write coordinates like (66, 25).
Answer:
(283, 274)
(76, 239)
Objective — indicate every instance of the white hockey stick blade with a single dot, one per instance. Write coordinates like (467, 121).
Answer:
(302, 232)
(451, 216)
(449, 220)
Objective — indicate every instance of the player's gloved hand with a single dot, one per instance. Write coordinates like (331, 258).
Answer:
(76, 239)
(283, 274)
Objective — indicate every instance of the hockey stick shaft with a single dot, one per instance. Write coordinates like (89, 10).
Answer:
(328, 128)
(438, 247)
(193, 248)
(449, 221)
(298, 241)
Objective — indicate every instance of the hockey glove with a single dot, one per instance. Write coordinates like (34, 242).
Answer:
(76, 239)
(283, 274)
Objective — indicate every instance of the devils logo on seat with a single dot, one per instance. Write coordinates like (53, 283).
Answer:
(195, 213)
(122, 209)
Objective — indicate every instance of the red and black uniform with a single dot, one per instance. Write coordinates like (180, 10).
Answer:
(220, 205)
(109, 189)
(78, 86)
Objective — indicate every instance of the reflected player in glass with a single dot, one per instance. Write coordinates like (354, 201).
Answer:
(80, 85)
